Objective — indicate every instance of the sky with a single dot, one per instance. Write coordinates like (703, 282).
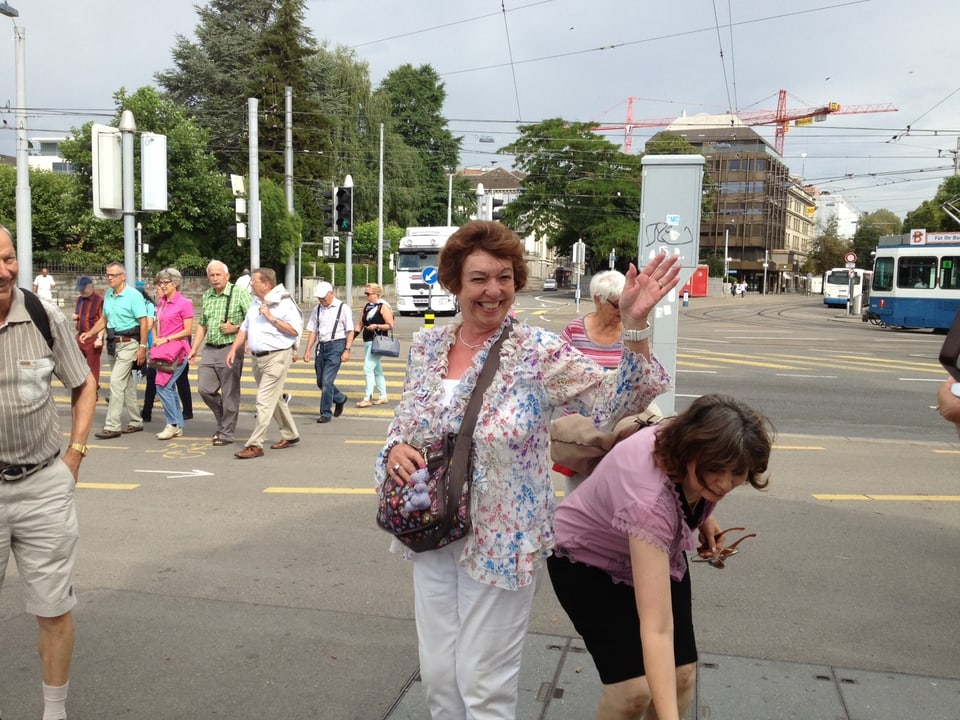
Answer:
(511, 62)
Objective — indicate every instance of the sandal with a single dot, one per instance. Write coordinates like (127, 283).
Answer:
(364, 403)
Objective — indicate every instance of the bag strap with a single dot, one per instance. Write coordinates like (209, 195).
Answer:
(226, 313)
(464, 444)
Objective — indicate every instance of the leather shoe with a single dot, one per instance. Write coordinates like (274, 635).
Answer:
(324, 419)
(250, 451)
(284, 443)
(338, 408)
(132, 429)
(107, 434)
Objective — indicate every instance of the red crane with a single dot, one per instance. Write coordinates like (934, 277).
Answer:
(781, 117)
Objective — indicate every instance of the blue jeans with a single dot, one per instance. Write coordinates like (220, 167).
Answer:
(170, 398)
(327, 365)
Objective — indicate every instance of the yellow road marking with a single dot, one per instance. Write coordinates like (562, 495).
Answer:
(107, 486)
(797, 447)
(892, 498)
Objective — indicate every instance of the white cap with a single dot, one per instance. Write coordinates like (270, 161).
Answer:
(323, 289)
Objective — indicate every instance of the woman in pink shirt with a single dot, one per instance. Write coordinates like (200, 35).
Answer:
(619, 566)
(171, 331)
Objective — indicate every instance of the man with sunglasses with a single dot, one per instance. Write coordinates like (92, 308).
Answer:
(125, 319)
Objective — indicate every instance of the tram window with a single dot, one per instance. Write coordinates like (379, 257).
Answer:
(883, 274)
(916, 272)
(949, 276)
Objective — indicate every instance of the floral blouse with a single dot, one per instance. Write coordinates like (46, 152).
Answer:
(512, 495)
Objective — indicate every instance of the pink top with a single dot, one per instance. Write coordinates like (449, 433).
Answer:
(628, 495)
(170, 320)
(607, 356)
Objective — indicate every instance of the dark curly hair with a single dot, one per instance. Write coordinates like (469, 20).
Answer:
(720, 433)
(489, 236)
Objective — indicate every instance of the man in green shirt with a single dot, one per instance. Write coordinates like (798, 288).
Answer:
(223, 308)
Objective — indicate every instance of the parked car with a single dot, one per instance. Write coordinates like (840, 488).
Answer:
(550, 284)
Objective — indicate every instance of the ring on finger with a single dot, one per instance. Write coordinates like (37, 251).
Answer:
(396, 468)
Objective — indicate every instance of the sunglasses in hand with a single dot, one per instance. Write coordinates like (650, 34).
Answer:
(718, 561)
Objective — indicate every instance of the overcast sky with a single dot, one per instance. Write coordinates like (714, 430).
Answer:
(579, 61)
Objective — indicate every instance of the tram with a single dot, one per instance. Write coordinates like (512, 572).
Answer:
(837, 285)
(916, 281)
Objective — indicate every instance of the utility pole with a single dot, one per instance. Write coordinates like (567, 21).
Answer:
(291, 270)
(127, 128)
(253, 201)
(348, 182)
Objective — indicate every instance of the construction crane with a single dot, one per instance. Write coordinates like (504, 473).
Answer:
(781, 117)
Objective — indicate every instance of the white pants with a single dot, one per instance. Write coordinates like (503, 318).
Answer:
(471, 639)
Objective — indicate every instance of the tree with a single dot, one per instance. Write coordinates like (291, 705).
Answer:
(930, 215)
(869, 230)
(828, 250)
(415, 98)
(365, 236)
(577, 186)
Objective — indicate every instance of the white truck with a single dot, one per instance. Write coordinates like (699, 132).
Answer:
(419, 250)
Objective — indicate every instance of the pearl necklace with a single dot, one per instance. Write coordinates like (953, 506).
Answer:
(472, 347)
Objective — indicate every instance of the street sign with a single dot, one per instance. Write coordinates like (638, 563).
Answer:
(850, 257)
(429, 275)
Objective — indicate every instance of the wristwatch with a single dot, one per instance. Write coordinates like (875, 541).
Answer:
(79, 447)
(634, 335)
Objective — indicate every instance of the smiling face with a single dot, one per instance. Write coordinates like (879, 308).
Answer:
(487, 292)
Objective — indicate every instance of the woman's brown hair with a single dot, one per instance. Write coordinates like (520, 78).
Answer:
(489, 236)
(720, 433)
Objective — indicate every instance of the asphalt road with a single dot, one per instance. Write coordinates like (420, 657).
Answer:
(212, 587)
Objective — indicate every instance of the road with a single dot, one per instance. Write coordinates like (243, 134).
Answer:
(212, 587)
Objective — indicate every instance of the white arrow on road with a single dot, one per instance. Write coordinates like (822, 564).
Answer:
(179, 473)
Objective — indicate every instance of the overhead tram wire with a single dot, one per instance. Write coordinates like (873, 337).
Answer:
(513, 69)
(669, 36)
(449, 24)
(723, 65)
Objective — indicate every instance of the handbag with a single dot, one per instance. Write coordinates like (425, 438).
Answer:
(433, 509)
(577, 446)
(385, 345)
(164, 364)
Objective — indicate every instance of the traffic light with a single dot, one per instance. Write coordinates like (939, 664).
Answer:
(105, 172)
(344, 209)
(336, 247)
(329, 209)
(239, 203)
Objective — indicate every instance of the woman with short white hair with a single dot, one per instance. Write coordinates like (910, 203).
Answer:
(172, 331)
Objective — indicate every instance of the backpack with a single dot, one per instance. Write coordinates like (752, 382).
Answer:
(39, 316)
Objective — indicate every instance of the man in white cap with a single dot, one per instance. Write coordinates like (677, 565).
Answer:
(331, 330)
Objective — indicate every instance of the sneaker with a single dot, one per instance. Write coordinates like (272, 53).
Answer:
(364, 403)
(170, 431)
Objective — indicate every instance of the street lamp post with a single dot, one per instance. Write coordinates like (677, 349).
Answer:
(726, 256)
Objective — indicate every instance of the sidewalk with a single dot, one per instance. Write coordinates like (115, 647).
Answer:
(558, 682)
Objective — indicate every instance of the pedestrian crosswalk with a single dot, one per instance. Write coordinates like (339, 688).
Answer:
(301, 385)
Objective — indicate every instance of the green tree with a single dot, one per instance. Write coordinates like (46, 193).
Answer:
(871, 227)
(930, 215)
(577, 186)
(365, 236)
(415, 98)
(827, 251)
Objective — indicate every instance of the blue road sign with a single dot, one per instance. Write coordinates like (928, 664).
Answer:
(429, 275)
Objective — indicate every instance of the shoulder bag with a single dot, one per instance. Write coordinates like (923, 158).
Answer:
(385, 345)
(434, 509)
